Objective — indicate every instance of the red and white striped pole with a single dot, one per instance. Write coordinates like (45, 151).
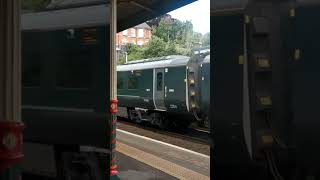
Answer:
(10, 89)
(113, 88)
(113, 161)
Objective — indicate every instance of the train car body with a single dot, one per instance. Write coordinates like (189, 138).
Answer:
(264, 90)
(66, 87)
(153, 89)
(205, 90)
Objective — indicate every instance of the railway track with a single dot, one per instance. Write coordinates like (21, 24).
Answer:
(197, 135)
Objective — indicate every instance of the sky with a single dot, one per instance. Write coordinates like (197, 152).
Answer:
(198, 13)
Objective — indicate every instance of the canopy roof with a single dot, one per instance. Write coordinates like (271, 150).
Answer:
(75, 13)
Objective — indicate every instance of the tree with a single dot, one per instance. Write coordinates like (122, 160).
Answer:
(178, 31)
(162, 31)
(206, 39)
(134, 52)
(196, 39)
(156, 47)
(170, 49)
(169, 38)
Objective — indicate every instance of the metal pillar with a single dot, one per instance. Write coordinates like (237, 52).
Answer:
(113, 92)
(10, 96)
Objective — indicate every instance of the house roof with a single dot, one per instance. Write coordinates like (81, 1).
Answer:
(73, 13)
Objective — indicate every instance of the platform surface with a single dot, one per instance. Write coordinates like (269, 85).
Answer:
(144, 158)
(131, 169)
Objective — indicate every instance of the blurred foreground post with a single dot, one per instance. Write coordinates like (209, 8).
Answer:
(10, 97)
(113, 80)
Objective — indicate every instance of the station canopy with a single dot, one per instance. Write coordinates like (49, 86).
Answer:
(130, 13)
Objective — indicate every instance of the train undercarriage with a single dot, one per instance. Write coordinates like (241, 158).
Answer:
(162, 119)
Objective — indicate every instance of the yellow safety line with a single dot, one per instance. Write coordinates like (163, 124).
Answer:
(159, 163)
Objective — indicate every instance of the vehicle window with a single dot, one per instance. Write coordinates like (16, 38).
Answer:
(159, 81)
(120, 83)
(133, 82)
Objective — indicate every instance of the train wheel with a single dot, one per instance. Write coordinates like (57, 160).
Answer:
(129, 113)
(164, 123)
(182, 124)
(201, 123)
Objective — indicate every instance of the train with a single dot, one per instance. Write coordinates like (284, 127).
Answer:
(66, 87)
(263, 100)
(166, 91)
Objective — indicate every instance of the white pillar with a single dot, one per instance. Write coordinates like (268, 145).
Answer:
(113, 60)
(10, 83)
(113, 87)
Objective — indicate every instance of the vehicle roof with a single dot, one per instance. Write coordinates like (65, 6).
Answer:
(168, 61)
(129, 14)
(206, 59)
(308, 2)
(229, 5)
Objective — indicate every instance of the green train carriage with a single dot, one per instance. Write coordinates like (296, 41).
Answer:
(205, 91)
(156, 90)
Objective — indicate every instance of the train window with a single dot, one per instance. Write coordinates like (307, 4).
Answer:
(120, 83)
(31, 71)
(74, 70)
(133, 82)
(159, 81)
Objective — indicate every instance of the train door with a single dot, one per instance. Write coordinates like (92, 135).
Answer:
(158, 89)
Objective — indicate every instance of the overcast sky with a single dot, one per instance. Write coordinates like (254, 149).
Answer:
(198, 12)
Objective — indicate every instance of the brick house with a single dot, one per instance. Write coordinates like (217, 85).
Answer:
(138, 35)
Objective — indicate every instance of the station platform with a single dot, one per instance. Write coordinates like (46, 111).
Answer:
(132, 169)
(143, 158)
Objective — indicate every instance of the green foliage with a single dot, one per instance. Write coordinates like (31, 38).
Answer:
(178, 31)
(34, 5)
(170, 48)
(206, 39)
(155, 48)
(162, 31)
(181, 50)
(135, 53)
(169, 38)
(122, 58)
